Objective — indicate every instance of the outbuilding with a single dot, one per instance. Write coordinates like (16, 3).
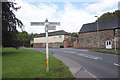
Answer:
(107, 37)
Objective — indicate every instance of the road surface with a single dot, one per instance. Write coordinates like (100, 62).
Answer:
(100, 64)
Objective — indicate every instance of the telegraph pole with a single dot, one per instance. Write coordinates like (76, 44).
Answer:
(98, 37)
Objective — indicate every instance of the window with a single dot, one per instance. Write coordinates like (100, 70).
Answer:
(60, 36)
(57, 43)
(109, 42)
(54, 37)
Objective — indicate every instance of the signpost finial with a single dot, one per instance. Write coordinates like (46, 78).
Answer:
(46, 20)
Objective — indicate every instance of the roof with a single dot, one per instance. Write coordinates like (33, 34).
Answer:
(71, 38)
(74, 38)
(33, 36)
(111, 23)
(61, 32)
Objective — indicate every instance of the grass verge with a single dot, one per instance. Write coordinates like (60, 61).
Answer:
(24, 63)
(107, 51)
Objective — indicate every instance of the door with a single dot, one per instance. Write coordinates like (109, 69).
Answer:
(108, 44)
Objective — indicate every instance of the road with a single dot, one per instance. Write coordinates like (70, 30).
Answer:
(100, 64)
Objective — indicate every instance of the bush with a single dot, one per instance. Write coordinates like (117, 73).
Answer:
(27, 45)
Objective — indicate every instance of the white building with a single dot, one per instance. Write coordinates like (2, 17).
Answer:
(55, 39)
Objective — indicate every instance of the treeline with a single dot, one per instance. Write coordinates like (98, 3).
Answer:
(23, 39)
(109, 15)
(74, 34)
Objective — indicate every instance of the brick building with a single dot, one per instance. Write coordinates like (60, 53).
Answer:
(71, 42)
(55, 39)
(108, 30)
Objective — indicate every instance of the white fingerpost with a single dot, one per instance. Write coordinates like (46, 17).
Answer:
(48, 26)
(46, 30)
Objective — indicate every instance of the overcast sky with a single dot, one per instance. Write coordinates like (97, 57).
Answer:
(72, 15)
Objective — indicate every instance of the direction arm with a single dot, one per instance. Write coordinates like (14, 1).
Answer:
(37, 23)
(54, 23)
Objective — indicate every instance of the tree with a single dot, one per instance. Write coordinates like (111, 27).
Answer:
(24, 38)
(9, 24)
(109, 15)
(74, 34)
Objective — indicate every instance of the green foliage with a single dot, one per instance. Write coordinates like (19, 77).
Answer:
(107, 51)
(109, 15)
(23, 63)
(74, 34)
(9, 24)
(24, 38)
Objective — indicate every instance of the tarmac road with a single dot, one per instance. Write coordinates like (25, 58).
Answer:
(99, 64)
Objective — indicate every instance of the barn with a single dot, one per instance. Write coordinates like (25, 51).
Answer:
(107, 36)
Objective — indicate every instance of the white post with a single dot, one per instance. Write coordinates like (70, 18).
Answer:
(46, 30)
(51, 26)
(115, 43)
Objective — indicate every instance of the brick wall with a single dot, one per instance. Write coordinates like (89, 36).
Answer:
(71, 43)
(66, 36)
(76, 44)
(89, 39)
(66, 44)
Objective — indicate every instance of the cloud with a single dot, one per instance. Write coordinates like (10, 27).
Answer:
(101, 6)
(31, 13)
(71, 18)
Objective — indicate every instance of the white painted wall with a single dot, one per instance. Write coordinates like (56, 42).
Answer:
(51, 39)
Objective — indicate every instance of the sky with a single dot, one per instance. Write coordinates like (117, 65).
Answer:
(70, 13)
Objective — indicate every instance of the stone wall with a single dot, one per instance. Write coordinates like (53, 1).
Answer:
(76, 44)
(117, 34)
(90, 39)
(50, 45)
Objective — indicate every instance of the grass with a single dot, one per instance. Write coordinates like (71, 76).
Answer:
(24, 63)
(107, 51)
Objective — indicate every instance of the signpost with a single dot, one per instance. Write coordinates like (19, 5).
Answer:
(115, 41)
(48, 26)
(54, 23)
(51, 28)
(37, 23)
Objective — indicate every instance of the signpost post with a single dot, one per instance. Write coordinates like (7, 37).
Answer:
(115, 41)
(48, 26)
